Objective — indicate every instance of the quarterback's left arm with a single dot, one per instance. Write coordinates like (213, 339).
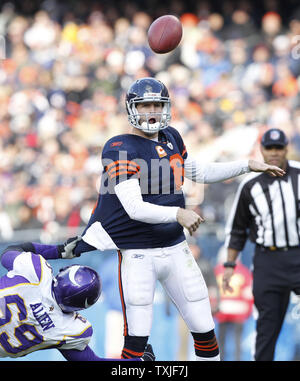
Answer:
(209, 173)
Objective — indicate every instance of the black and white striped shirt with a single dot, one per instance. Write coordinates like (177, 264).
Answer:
(267, 210)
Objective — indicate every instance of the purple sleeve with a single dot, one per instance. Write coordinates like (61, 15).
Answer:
(46, 251)
(87, 355)
(7, 259)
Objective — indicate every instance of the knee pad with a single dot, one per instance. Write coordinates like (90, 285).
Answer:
(139, 281)
(194, 286)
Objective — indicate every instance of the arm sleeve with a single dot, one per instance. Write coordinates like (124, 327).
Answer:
(12, 252)
(236, 229)
(87, 355)
(130, 195)
(26, 264)
(8, 258)
(209, 173)
(46, 251)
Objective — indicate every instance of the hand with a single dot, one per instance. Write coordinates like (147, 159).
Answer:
(226, 279)
(257, 166)
(66, 249)
(148, 353)
(189, 219)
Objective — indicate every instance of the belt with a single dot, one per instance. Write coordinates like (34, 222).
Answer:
(274, 248)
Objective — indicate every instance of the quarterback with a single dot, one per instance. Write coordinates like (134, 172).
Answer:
(141, 213)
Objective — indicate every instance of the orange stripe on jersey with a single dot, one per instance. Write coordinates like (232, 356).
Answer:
(184, 151)
(95, 206)
(122, 173)
(122, 166)
(117, 162)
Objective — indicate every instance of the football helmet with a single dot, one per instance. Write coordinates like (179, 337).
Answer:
(76, 287)
(148, 90)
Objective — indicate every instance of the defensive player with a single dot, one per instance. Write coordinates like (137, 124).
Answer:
(39, 311)
(141, 213)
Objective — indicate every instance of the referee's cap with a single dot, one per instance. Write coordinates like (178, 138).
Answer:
(274, 137)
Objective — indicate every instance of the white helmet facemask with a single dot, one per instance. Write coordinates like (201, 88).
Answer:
(149, 122)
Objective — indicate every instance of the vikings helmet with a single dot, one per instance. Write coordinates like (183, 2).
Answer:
(76, 287)
(148, 90)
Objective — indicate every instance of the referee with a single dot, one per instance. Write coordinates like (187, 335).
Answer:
(267, 211)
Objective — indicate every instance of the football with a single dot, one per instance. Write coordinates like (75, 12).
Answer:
(165, 34)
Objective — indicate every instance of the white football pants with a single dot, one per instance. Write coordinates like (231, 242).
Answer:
(179, 274)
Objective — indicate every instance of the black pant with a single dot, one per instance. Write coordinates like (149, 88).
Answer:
(276, 274)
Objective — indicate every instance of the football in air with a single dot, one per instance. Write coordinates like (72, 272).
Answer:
(165, 34)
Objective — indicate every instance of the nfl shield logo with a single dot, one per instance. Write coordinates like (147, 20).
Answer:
(170, 145)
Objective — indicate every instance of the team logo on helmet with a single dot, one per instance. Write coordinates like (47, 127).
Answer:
(76, 287)
(72, 273)
(148, 88)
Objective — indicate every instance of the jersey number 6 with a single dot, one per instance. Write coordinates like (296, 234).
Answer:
(176, 163)
(26, 334)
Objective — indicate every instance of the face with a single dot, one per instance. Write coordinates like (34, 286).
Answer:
(150, 112)
(153, 108)
(275, 155)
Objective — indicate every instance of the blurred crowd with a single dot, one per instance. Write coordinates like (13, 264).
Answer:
(67, 67)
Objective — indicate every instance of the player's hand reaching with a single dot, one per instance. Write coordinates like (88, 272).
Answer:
(273, 170)
(189, 219)
(66, 249)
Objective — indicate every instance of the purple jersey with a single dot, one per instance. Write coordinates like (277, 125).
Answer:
(30, 318)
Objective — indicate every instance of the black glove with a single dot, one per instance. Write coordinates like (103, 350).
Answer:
(148, 353)
(66, 249)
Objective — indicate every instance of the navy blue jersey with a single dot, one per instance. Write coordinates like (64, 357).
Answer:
(159, 167)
